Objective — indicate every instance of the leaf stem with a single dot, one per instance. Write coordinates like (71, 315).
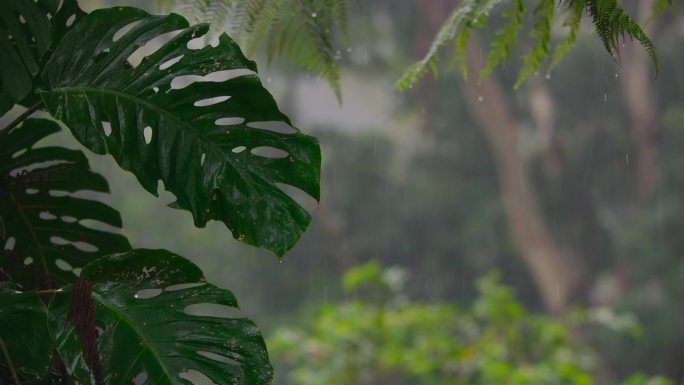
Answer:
(9, 362)
(22, 117)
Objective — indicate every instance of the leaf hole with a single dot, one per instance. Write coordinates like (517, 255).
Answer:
(68, 219)
(155, 89)
(32, 191)
(63, 265)
(85, 246)
(9, 243)
(97, 225)
(151, 47)
(59, 241)
(196, 377)
(229, 121)
(298, 195)
(197, 43)
(239, 149)
(169, 63)
(211, 101)
(147, 134)
(222, 76)
(218, 357)
(212, 310)
(70, 20)
(21, 19)
(183, 81)
(147, 293)
(140, 378)
(28, 261)
(269, 152)
(183, 286)
(46, 216)
(107, 128)
(19, 153)
(275, 126)
(203, 158)
(77, 272)
(124, 30)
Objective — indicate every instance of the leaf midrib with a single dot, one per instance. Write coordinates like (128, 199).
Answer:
(123, 317)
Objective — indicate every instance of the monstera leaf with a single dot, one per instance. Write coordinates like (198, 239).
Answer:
(147, 329)
(29, 30)
(217, 144)
(26, 344)
(44, 223)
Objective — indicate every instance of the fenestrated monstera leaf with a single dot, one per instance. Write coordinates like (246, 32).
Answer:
(41, 217)
(207, 141)
(29, 30)
(143, 305)
(24, 333)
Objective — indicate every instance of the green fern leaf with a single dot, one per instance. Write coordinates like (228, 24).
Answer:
(612, 23)
(542, 32)
(459, 22)
(301, 31)
(573, 22)
(506, 38)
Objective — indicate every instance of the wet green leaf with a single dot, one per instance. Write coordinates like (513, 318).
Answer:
(47, 223)
(196, 119)
(23, 332)
(150, 310)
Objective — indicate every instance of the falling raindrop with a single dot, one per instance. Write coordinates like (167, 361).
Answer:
(480, 98)
(313, 14)
(548, 76)
(605, 97)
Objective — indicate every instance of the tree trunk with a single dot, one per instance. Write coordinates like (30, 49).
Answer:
(636, 81)
(556, 275)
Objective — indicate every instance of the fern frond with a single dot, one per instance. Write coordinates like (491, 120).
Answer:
(301, 31)
(253, 19)
(542, 32)
(460, 52)
(612, 22)
(573, 22)
(460, 20)
(340, 11)
(506, 38)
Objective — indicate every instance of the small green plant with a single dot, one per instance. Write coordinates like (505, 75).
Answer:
(77, 304)
(384, 337)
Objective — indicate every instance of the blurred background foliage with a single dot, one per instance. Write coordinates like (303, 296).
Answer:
(382, 336)
(452, 180)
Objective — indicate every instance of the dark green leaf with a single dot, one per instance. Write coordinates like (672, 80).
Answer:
(144, 309)
(29, 30)
(152, 127)
(23, 331)
(41, 214)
